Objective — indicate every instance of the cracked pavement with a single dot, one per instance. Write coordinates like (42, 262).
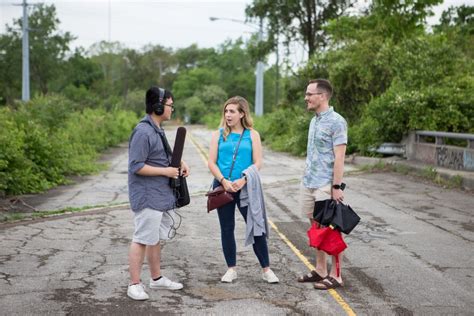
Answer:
(412, 253)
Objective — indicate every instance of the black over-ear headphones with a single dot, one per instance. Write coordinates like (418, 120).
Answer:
(159, 107)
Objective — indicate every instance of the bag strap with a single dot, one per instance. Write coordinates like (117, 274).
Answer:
(166, 145)
(164, 141)
(235, 153)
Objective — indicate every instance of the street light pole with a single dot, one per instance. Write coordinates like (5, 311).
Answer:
(259, 78)
(259, 69)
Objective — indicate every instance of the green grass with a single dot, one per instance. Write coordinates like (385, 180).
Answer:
(379, 166)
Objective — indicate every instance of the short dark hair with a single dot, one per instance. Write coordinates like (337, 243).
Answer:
(153, 96)
(323, 85)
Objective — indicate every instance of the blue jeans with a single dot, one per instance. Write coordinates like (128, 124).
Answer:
(227, 222)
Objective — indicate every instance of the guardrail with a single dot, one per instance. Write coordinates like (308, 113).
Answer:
(390, 149)
(440, 154)
(440, 136)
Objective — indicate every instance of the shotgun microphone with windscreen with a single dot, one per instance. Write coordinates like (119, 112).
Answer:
(177, 153)
(178, 147)
(179, 185)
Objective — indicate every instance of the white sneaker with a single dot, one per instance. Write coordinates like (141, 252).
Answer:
(137, 292)
(166, 284)
(229, 276)
(270, 277)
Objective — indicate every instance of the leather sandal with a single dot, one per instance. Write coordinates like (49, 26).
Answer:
(313, 276)
(328, 283)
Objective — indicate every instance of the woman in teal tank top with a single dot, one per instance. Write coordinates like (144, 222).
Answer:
(236, 124)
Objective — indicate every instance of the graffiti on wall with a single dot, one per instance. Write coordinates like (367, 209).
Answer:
(450, 157)
(469, 160)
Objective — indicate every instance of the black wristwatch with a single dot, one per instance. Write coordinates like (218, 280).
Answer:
(339, 186)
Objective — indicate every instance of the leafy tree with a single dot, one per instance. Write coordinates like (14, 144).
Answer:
(432, 89)
(155, 65)
(213, 96)
(400, 19)
(309, 15)
(462, 16)
(189, 82)
(192, 57)
(82, 97)
(285, 129)
(237, 70)
(48, 48)
(389, 117)
(195, 109)
(362, 57)
(10, 69)
(135, 102)
(79, 71)
(458, 24)
(110, 58)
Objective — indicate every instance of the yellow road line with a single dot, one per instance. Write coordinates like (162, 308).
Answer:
(298, 253)
(305, 260)
(201, 150)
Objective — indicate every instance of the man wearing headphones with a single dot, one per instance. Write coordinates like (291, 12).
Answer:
(151, 198)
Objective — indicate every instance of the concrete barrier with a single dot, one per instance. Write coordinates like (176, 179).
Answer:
(419, 148)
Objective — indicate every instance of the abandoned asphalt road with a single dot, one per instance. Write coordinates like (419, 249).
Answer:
(412, 253)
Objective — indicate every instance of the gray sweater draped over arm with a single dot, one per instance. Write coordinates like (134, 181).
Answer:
(252, 196)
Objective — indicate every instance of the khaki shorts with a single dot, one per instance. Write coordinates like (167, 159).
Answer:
(309, 196)
(151, 226)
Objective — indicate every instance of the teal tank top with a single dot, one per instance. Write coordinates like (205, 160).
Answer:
(226, 152)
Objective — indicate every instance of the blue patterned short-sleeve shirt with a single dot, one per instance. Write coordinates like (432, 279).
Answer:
(326, 130)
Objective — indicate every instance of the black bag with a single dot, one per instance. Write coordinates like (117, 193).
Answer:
(339, 215)
(180, 189)
(324, 211)
(179, 185)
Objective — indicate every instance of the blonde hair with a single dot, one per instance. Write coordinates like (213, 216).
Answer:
(242, 107)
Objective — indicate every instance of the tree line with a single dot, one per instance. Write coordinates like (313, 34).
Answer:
(391, 71)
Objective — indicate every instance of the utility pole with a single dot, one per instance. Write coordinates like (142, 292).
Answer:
(109, 37)
(25, 92)
(259, 78)
(277, 83)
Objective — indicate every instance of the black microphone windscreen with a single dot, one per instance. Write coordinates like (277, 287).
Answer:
(178, 147)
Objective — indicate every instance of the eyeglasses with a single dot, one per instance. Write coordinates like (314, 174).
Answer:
(171, 106)
(308, 94)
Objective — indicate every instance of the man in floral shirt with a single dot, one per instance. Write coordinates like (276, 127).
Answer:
(327, 140)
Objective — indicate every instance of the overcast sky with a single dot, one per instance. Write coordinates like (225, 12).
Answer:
(173, 24)
(137, 23)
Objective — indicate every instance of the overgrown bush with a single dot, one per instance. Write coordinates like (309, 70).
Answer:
(212, 120)
(285, 129)
(135, 102)
(44, 140)
(195, 110)
(81, 96)
(206, 101)
(399, 110)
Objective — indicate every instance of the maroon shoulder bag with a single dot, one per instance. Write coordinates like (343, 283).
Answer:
(220, 197)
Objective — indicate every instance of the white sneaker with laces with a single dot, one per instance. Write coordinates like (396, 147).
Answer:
(270, 277)
(137, 292)
(229, 276)
(165, 284)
